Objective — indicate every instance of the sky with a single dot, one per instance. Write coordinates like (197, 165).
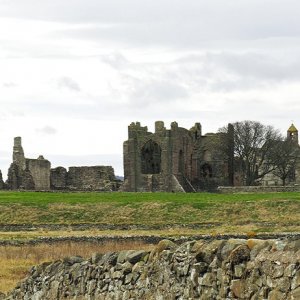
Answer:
(75, 73)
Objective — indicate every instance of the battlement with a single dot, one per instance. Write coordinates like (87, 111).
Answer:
(196, 130)
(135, 129)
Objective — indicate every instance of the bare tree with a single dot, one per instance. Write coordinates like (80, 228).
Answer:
(285, 156)
(252, 144)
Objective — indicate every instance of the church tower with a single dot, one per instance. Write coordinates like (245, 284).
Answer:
(292, 134)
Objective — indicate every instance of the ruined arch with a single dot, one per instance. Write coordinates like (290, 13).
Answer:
(151, 158)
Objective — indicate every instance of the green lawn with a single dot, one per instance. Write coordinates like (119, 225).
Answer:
(259, 212)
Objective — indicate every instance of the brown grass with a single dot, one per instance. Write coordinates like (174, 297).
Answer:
(16, 261)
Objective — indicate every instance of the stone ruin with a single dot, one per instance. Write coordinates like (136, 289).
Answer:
(27, 173)
(174, 160)
(36, 174)
(168, 160)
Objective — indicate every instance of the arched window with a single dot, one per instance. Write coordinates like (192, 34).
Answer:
(181, 162)
(151, 158)
(206, 171)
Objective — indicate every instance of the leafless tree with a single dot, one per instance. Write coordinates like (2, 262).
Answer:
(253, 145)
(285, 156)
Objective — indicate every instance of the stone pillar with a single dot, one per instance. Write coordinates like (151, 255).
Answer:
(18, 153)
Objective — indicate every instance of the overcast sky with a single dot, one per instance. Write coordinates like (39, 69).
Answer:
(75, 73)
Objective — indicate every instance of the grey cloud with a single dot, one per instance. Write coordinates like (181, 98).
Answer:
(189, 75)
(252, 64)
(115, 60)
(82, 11)
(46, 130)
(17, 113)
(60, 108)
(144, 34)
(158, 91)
(257, 65)
(147, 90)
(9, 84)
(233, 71)
(178, 23)
(69, 83)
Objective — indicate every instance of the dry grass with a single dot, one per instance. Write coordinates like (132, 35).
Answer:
(250, 229)
(15, 261)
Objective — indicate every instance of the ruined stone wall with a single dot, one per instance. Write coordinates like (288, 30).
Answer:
(58, 178)
(36, 174)
(14, 178)
(181, 151)
(217, 269)
(94, 178)
(91, 178)
(18, 178)
(25, 173)
(40, 172)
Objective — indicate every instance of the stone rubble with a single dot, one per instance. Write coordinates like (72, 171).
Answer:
(216, 269)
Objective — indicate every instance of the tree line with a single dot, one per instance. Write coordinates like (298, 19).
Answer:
(257, 150)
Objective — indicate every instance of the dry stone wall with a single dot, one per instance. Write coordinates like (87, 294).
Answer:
(217, 269)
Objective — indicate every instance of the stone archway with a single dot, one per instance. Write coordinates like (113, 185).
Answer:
(151, 158)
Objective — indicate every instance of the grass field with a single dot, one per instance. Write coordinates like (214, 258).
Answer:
(210, 213)
(270, 212)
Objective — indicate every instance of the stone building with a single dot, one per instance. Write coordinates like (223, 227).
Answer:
(175, 159)
(27, 173)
